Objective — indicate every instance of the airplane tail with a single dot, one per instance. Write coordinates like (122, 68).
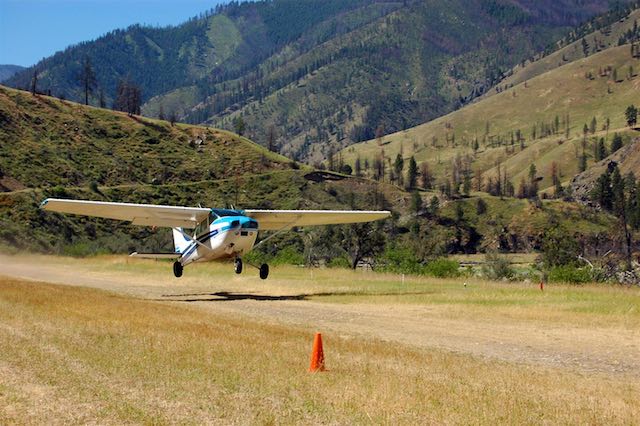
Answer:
(179, 241)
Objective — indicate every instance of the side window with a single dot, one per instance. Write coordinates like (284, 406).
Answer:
(204, 226)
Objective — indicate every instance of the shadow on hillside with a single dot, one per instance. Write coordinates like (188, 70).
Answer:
(224, 296)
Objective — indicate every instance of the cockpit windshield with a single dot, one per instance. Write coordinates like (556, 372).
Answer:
(225, 212)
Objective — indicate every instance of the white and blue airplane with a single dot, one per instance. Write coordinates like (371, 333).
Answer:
(217, 234)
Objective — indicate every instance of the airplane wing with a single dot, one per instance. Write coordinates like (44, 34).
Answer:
(283, 219)
(138, 214)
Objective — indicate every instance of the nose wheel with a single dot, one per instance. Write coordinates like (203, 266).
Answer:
(237, 265)
(264, 271)
(177, 269)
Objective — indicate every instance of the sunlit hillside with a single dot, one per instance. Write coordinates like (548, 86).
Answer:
(554, 107)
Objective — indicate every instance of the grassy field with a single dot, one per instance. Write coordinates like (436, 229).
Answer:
(80, 355)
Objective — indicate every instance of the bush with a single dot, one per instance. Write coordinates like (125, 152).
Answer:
(570, 274)
(442, 268)
(401, 261)
(559, 247)
(58, 191)
(288, 256)
(497, 267)
(93, 186)
(339, 262)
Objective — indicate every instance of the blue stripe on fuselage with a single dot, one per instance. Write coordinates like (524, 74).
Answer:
(206, 237)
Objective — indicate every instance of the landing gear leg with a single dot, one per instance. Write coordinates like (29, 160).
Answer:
(264, 271)
(177, 269)
(237, 265)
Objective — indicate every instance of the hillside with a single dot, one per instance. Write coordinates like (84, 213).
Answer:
(45, 142)
(539, 121)
(614, 29)
(627, 159)
(57, 148)
(320, 73)
(8, 71)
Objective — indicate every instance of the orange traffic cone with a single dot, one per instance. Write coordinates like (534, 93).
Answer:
(317, 355)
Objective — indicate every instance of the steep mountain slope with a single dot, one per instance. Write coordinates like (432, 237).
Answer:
(539, 121)
(627, 159)
(320, 72)
(8, 71)
(412, 65)
(615, 28)
(221, 43)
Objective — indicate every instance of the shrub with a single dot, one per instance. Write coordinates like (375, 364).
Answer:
(93, 186)
(58, 191)
(570, 274)
(497, 267)
(401, 260)
(559, 247)
(442, 268)
(288, 256)
(339, 262)
(481, 207)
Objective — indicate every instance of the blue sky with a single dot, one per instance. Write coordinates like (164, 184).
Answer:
(33, 29)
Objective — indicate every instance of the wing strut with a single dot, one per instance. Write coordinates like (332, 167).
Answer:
(190, 238)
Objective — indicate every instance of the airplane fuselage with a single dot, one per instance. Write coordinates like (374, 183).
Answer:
(222, 238)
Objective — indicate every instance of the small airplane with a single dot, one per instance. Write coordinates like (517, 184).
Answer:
(218, 234)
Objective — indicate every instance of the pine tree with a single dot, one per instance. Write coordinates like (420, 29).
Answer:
(398, 166)
(87, 79)
(601, 151)
(239, 125)
(523, 190)
(618, 203)
(416, 202)
(533, 181)
(601, 192)
(425, 176)
(271, 138)
(582, 164)
(619, 206)
(412, 173)
(631, 115)
(34, 81)
(616, 144)
(466, 184)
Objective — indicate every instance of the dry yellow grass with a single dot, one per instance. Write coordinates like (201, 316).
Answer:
(78, 355)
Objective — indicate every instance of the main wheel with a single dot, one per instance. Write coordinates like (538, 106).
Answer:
(237, 265)
(264, 271)
(177, 269)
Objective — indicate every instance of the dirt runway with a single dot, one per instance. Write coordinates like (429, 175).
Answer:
(588, 350)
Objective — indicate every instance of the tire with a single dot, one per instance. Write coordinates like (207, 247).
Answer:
(264, 271)
(237, 266)
(177, 269)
